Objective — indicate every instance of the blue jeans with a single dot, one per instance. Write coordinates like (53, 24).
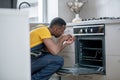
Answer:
(45, 66)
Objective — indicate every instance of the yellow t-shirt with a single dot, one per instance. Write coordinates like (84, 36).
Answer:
(37, 35)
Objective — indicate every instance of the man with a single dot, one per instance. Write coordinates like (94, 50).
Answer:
(44, 59)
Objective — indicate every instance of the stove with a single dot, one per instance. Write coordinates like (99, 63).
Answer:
(89, 50)
(102, 18)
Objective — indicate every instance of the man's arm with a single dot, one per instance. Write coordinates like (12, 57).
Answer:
(55, 48)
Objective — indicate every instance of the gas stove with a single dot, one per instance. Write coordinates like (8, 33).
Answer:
(102, 18)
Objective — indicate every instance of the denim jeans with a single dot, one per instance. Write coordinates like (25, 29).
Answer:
(44, 66)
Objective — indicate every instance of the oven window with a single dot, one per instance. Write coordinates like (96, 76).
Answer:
(90, 52)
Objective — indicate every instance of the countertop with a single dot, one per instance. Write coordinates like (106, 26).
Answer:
(113, 21)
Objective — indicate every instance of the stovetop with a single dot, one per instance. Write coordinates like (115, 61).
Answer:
(99, 20)
(102, 18)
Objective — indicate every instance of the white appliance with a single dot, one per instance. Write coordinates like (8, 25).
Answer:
(14, 45)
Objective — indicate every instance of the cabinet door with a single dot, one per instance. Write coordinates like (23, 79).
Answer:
(112, 39)
(113, 67)
(14, 45)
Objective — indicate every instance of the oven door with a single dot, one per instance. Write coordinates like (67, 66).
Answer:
(89, 56)
(80, 71)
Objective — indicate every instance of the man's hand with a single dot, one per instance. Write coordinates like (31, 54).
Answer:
(70, 40)
(64, 38)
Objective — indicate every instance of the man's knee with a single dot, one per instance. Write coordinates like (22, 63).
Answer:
(60, 60)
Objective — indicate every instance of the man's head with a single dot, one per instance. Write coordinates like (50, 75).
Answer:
(57, 26)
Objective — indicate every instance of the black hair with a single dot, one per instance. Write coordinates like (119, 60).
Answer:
(57, 21)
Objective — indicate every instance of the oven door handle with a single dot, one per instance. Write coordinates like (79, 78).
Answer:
(89, 34)
(90, 38)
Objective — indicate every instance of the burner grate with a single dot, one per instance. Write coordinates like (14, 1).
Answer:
(101, 18)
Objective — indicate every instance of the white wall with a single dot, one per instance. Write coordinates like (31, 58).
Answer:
(52, 9)
(64, 11)
(93, 8)
(59, 8)
(101, 8)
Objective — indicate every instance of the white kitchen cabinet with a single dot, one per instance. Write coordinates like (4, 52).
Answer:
(112, 39)
(112, 49)
(113, 67)
(14, 45)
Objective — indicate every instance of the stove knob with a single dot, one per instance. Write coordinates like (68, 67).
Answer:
(91, 30)
(86, 30)
(81, 30)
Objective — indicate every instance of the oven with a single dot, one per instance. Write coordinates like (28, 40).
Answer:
(89, 50)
